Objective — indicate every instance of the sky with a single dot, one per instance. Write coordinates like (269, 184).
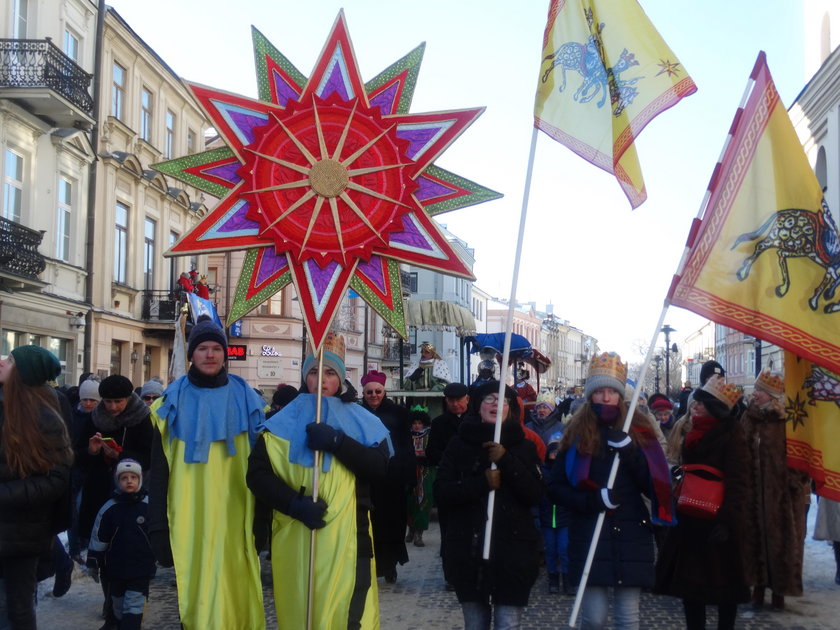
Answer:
(604, 267)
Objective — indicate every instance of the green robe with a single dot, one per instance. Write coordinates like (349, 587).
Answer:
(335, 549)
(211, 515)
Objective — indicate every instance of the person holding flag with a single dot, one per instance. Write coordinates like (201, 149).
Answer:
(624, 557)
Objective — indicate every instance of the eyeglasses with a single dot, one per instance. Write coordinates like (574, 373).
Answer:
(491, 399)
(150, 398)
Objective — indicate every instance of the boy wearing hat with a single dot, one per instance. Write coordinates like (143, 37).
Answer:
(201, 513)
(777, 497)
(119, 547)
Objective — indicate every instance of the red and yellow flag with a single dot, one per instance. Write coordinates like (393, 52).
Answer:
(605, 74)
(812, 397)
(765, 257)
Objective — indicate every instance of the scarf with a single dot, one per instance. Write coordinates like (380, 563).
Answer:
(134, 413)
(200, 410)
(700, 424)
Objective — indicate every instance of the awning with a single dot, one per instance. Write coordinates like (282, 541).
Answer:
(440, 315)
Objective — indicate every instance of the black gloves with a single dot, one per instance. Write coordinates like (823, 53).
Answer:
(602, 500)
(161, 547)
(618, 440)
(308, 512)
(323, 437)
(719, 534)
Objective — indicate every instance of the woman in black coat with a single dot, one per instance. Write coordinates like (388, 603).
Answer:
(388, 495)
(464, 481)
(702, 561)
(35, 459)
(624, 556)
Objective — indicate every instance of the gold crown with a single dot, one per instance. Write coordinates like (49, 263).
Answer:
(727, 393)
(770, 382)
(334, 343)
(608, 364)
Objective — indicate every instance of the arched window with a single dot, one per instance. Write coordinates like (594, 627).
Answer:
(820, 169)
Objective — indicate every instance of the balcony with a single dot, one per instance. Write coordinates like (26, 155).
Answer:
(160, 306)
(20, 261)
(44, 81)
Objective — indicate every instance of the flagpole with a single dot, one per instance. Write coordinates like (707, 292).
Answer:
(316, 469)
(497, 435)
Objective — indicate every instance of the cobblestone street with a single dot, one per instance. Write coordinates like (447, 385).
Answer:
(418, 601)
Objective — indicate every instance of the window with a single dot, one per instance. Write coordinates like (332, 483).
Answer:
(149, 254)
(120, 243)
(20, 17)
(63, 218)
(192, 142)
(146, 115)
(412, 282)
(58, 347)
(118, 91)
(169, 144)
(12, 186)
(173, 275)
(71, 45)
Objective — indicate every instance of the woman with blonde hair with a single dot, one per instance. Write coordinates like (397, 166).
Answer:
(624, 557)
(35, 459)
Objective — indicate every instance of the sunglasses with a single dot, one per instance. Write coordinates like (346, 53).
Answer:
(150, 398)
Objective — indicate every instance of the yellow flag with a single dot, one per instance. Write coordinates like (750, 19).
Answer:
(764, 260)
(812, 396)
(605, 74)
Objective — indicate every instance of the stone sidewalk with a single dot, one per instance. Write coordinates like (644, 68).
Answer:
(418, 600)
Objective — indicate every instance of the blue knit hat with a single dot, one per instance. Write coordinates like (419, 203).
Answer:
(205, 330)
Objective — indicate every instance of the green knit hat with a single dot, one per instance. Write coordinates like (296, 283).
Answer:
(36, 365)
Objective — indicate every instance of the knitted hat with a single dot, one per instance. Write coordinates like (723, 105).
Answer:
(89, 389)
(709, 368)
(374, 377)
(333, 346)
(128, 465)
(116, 386)
(36, 365)
(152, 387)
(660, 401)
(455, 390)
(605, 370)
(545, 400)
(205, 330)
(771, 383)
(727, 393)
(283, 395)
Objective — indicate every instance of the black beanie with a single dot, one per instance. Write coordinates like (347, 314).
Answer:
(709, 368)
(36, 365)
(205, 330)
(116, 386)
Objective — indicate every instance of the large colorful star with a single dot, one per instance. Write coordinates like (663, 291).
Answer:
(328, 182)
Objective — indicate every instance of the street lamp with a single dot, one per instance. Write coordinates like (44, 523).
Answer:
(658, 360)
(668, 330)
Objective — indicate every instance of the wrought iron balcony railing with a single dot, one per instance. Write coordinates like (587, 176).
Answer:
(161, 306)
(34, 63)
(19, 249)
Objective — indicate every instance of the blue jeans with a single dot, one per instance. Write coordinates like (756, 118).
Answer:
(625, 607)
(477, 616)
(556, 549)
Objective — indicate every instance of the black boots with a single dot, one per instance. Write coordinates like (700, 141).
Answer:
(553, 583)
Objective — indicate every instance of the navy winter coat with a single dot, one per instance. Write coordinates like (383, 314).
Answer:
(119, 542)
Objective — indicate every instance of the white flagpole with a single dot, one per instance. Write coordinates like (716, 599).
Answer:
(316, 469)
(491, 499)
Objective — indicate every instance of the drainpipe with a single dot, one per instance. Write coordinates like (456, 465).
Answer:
(92, 169)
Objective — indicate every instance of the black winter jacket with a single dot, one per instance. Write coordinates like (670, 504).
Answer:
(625, 552)
(462, 487)
(119, 543)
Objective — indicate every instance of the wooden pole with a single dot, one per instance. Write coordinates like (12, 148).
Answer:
(316, 470)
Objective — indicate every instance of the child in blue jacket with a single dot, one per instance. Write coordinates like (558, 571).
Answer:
(119, 547)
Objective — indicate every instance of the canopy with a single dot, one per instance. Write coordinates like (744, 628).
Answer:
(440, 315)
(520, 349)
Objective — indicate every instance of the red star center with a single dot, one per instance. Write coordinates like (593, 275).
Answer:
(327, 180)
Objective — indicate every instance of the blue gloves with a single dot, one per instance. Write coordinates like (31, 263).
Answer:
(308, 512)
(322, 437)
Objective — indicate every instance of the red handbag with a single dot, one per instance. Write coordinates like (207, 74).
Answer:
(700, 491)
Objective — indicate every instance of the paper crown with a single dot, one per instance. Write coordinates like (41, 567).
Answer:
(334, 343)
(727, 393)
(770, 382)
(334, 350)
(605, 370)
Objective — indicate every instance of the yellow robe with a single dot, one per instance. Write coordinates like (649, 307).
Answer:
(335, 549)
(211, 515)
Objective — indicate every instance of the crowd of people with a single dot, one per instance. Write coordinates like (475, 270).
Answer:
(334, 488)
